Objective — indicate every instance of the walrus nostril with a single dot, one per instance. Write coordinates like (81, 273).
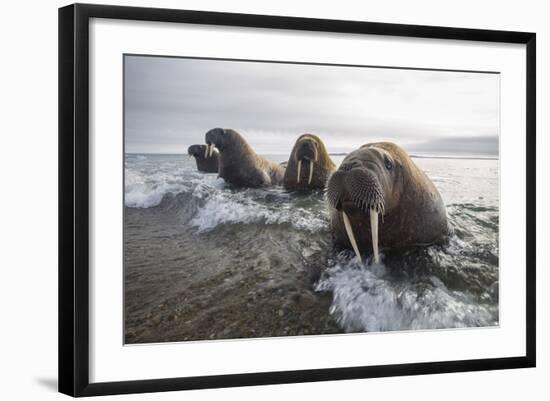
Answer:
(348, 166)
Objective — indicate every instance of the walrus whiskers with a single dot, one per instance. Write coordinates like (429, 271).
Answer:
(374, 233)
(299, 171)
(351, 237)
(310, 172)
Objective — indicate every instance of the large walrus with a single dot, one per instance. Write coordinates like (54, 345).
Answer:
(309, 164)
(379, 180)
(207, 159)
(239, 165)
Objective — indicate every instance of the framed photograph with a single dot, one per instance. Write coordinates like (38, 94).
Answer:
(251, 199)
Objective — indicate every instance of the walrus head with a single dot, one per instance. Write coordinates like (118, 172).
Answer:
(216, 137)
(367, 185)
(309, 164)
(307, 150)
(196, 150)
(222, 139)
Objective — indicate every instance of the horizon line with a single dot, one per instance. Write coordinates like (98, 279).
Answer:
(412, 155)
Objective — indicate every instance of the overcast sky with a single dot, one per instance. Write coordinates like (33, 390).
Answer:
(170, 103)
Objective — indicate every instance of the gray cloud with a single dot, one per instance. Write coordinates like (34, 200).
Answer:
(170, 103)
(477, 146)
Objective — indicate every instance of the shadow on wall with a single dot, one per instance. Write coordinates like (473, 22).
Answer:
(49, 383)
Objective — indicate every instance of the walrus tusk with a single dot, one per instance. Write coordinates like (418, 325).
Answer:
(299, 171)
(206, 151)
(374, 233)
(310, 172)
(211, 150)
(351, 237)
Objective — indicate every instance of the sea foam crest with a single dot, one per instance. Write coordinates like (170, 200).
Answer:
(241, 207)
(145, 190)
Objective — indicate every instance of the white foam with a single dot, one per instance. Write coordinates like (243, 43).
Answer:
(145, 191)
(231, 208)
(365, 300)
(146, 185)
(141, 198)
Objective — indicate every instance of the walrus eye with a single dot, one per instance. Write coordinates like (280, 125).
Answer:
(388, 163)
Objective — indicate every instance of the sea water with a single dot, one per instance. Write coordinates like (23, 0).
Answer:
(203, 260)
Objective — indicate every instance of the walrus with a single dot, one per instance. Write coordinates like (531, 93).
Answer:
(379, 181)
(309, 164)
(207, 159)
(239, 165)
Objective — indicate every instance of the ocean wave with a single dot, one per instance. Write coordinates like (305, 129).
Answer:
(144, 189)
(205, 201)
(233, 208)
(141, 198)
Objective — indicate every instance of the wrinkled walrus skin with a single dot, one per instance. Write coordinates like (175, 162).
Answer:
(382, 181)
(239, 165)
(309, 164)
(205, 162)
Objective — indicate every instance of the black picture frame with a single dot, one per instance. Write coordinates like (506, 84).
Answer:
(74, 198)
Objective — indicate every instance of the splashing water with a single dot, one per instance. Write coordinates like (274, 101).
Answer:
(377, 297)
